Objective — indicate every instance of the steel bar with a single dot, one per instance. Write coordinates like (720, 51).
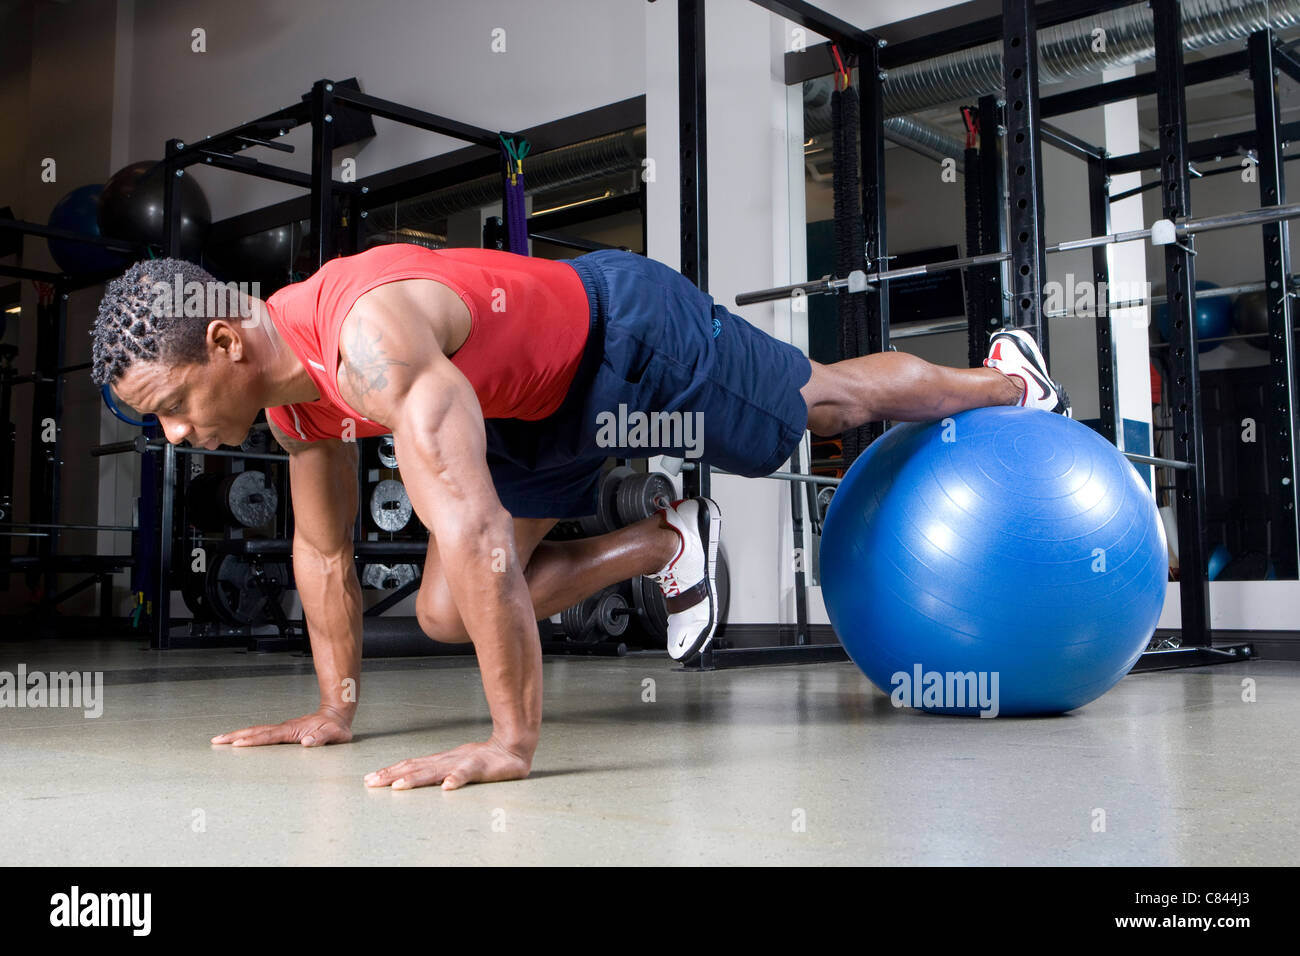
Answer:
(162, 612)
(1192, 656)
(50, 232)
(156, 445)
(914, 333)
(1069, 143)
(820, 22)
(1144, 84)
(1183, 380)
(692, 147)
(173, 172)
(812, 287)
(1162, 462)
(74, 527)
(1107, 367)
(871, 136)
(114, 448)
(777, 475)
(36, 275)
(323, 220)
(1283, 414)
(990, 305)
(1235, 336)
(1027, 236)
(1184, 227)
(418, 118)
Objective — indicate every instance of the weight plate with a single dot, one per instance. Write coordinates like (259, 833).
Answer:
(652, 610)
(824, 500)
(390, 508)
(590, 526)
(248, 499)
(387, 451)
(612, 617)
(194, 591)
(258, 441)
(607, 502)
(238, 595)
(384, 578)
(571, 621)
(640, 496)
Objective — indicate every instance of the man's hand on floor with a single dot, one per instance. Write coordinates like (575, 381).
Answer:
(468, 763)
(324, 726)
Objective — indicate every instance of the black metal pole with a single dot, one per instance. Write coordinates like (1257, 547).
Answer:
(8, 451)
(322, 179)
(991, 313)
(1025, 168)
(172, 172)
(162, 611)
(693, 154)
(1284, 423)
(871, 132)
(47, 418)
(352, 231)
(1180, 282)
(1107, 373)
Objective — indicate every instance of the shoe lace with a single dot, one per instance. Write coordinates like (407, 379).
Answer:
(668, 581)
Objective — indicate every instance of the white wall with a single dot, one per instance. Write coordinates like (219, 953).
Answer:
(749, 225)
(561, 57)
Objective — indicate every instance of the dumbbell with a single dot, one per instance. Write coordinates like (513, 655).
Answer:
(603, 615)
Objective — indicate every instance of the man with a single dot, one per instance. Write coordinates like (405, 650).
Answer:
(497, 375)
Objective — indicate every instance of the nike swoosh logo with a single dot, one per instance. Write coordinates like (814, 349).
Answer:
(1047, 391)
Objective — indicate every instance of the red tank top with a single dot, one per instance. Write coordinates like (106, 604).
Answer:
(528, 325)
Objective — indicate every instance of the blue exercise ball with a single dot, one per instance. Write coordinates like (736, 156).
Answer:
(78, 211)
(1007, 549)
(1213, 318)
(1220, 557)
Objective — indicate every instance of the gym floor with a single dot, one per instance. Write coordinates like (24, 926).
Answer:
(769, 765)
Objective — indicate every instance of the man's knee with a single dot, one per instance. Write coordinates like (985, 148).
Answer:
(437, 614)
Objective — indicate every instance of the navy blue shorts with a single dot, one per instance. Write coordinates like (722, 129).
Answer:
(666, 371)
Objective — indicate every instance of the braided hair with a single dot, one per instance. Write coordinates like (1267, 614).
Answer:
(131, 326)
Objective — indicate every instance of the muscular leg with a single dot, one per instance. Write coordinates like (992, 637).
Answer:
(559, 573)
(898, 387)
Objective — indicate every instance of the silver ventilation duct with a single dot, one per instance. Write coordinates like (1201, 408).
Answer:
(904, 130)
(1066, 50)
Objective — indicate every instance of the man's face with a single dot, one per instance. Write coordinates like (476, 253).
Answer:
(207, 405)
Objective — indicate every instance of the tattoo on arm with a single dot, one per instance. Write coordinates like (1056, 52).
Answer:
(368, 359)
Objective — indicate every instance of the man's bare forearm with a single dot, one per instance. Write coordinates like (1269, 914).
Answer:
(331, 602)
(498, 614)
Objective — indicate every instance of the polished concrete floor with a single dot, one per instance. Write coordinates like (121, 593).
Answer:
(779, 766)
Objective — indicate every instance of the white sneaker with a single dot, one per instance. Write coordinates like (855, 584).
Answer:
(1015, 354)
(689, 580)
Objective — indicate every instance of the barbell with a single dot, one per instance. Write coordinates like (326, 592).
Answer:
(625, 497)
(1162, 232)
